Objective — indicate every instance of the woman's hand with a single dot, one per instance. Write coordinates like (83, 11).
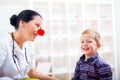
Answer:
(36, 74)
(52, 77)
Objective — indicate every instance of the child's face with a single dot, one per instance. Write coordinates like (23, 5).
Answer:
(88, 44)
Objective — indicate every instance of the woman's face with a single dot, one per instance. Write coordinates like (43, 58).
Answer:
(31, 27)
(88, 44)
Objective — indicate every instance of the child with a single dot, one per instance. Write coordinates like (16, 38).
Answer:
(90, 66)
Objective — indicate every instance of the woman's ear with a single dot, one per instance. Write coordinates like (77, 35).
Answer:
(21, 23)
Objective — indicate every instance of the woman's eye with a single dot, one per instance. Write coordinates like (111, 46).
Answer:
(37, 25)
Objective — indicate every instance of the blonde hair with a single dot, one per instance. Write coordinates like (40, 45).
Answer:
(94, 33)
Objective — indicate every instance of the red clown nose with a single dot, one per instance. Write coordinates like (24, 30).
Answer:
(41, 32)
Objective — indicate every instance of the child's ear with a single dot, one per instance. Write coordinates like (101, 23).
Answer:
(98, 45)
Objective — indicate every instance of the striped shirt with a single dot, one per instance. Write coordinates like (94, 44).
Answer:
(92, 69)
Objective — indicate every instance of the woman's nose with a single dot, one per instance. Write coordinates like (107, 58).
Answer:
(41, 32)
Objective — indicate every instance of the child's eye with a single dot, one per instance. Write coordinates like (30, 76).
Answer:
(89, 41)
(82, 41)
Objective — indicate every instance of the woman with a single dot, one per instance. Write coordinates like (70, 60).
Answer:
(16, 56)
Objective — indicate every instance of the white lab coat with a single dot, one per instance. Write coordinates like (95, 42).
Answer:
(8, 69)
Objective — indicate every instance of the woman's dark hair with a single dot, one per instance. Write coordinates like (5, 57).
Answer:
(25, 15)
